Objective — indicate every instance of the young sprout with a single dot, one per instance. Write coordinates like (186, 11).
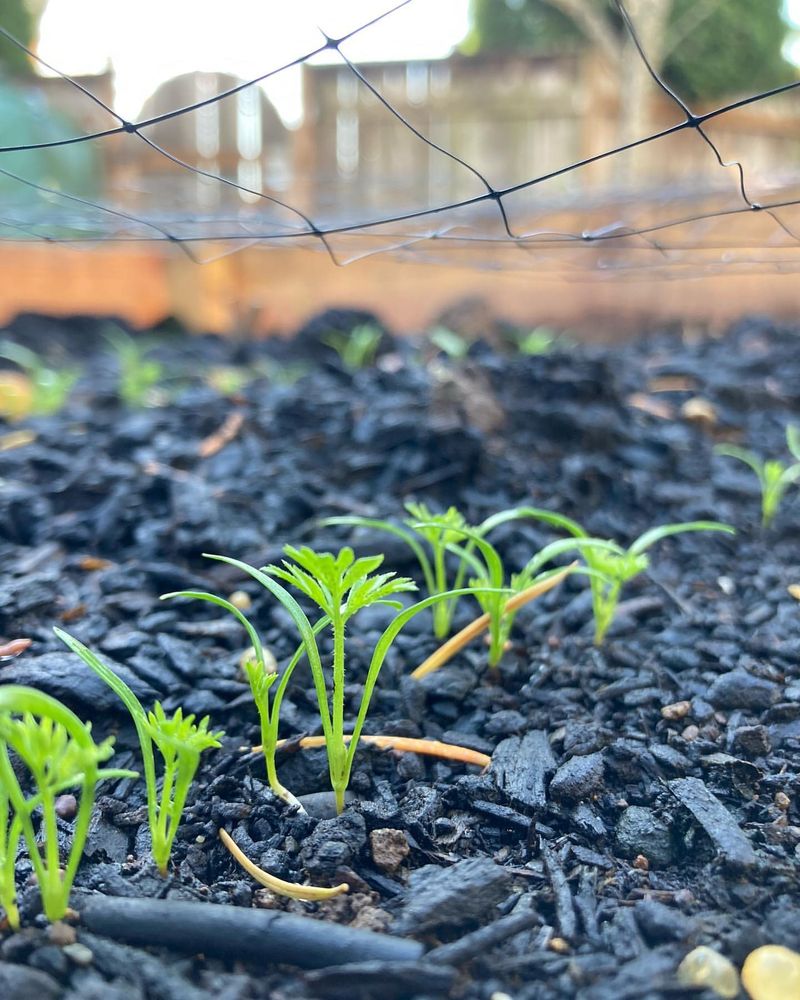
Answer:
(429, 537)
(179, 740)
(490, 587)
(58, 751)
(451, 343)
(138, 374)
(609, 565)
(339, 585)
(356, 349)
(48, 387)
(774, 477)
(262, 680)
(540, 340)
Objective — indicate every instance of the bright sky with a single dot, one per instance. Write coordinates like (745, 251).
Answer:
(149, 41)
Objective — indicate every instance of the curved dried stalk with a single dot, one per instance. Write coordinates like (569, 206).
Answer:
(457, 642)
(309, 893)
(404, 744)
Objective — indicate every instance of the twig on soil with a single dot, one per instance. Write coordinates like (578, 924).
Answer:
(404, 744)
(227, 432)
(457, 642)
(309, 893)
(14, 647)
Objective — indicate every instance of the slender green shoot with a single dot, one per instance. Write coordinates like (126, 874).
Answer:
(339, 585)
(179, 740)
(356, 349)
(58, 751)
(429, 545)
(267, 687)
(774, 476)
(490, 583)
(50, 387)
(138, 374)
(610, 565)
(450, 343)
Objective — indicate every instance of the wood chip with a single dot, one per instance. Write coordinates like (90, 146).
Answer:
(649, 404)
(216, 442)
(14, 647)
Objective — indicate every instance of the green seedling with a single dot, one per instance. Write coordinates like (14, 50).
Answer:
(610, 566)
(356, 349)
(138, 374)
(339, 585)
(179, 740)
(540, 340)
(267, 687)
(774, 477)
(49, 388)
(450, 343)
(58, 751)
(429, 536)
(432, 537)
(490, 585)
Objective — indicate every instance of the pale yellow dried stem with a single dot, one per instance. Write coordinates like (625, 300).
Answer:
(309, 893)
(404, 744)
(457, 642)
(407, 744)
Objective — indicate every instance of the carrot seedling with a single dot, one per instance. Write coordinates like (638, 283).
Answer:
(49, 388)
(774, 476)
(428, 535)
(179, 740)
(609, 565)
(58, 751)
(262, 679)
(339, 585)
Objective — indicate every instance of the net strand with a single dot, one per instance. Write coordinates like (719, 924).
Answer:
(250, 229)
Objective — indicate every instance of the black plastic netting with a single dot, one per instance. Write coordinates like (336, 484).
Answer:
(701, 191)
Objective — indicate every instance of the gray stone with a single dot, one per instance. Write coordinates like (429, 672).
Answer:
(18, 982)
(740, 689)
(465, 893)
(640, 831)
(578, 778)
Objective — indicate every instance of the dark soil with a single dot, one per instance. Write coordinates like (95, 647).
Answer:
(643, 797)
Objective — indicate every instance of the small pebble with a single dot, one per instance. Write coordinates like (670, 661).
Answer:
(677, 710)
(241, 599)
(772, 973)
(79, 954)
(690, 733)
(782, 801)
(66, 806)
(61, 934)
(389, 848)
(707, 968)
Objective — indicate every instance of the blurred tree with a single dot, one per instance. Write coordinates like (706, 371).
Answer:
(682, 38)
(21, 19)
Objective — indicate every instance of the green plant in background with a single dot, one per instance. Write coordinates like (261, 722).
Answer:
(58, 751)
(540, 340)
(179, 740)
(49, 388)
(138, 374)
(774, 477)
(339, 585)
(491, 586)
(451, 343)
(228, 380)
(610, 565)
(356, 349)
(261, 677)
